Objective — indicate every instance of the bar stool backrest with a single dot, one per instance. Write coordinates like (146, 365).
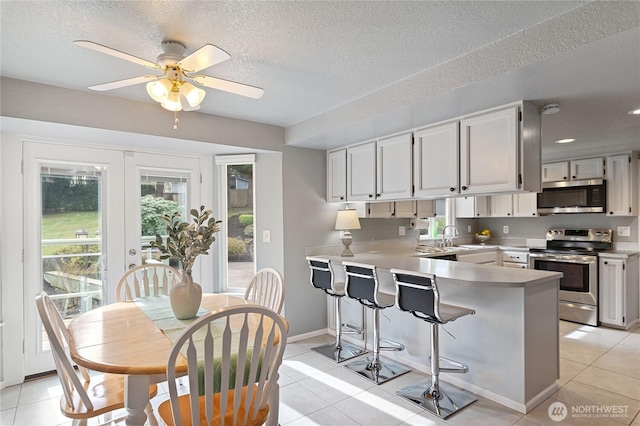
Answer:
(321, 274)
(361, 283)
(417, 293)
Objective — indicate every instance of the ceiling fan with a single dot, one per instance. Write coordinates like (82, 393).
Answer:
(173, 89)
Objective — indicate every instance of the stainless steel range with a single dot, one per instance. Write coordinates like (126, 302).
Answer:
(574, 252)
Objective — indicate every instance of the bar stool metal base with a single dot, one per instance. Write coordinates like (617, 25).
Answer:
(345, 352)
(442, 402)
(379, 372)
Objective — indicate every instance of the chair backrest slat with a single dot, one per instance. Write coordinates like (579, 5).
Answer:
(144, 280)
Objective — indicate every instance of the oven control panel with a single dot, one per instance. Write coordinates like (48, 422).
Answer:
(595, 235)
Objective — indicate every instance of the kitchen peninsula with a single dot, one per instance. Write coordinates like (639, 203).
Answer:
(510, 344)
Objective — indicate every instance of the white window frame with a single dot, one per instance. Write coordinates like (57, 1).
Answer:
(222, 161)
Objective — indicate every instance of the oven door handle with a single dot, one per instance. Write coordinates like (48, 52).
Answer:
(564, 258)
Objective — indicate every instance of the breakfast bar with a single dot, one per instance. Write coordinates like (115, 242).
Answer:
(510, 344)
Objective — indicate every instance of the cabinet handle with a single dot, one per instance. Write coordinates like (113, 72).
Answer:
(573, 177)
(610, 212)
(452, 189)
(464, 188)
(564, 177)
(370, 195)
(377, 195)
(342, 198)
(605, 262)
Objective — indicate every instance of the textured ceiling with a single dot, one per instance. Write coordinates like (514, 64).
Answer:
(341, 72)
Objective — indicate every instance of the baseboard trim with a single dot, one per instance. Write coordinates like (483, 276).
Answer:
(297, 337)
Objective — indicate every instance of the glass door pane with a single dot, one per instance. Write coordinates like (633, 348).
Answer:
(240, 220)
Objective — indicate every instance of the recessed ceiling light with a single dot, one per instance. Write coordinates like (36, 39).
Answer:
(565, 140)
(635, 112)
(551, 108)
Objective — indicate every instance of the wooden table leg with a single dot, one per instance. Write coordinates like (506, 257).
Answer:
(136, 398)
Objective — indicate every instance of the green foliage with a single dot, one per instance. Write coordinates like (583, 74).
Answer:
(65, 194)
(185, 242)
(248, 231)
(152, 209)
(147, 189)
(76, 265)
(235, 248)
(246, 219)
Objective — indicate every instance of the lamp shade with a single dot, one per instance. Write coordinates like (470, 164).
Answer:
(193, 94)
(346, 220)
(158, 90)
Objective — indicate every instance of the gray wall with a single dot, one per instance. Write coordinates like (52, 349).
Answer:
(268, 192)
(309, 221)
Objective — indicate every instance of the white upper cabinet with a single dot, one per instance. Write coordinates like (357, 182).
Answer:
(435, 160)
(555, 172)
(337, 176)
(589, 168)
(384, 210)
(622, 190)
(394, 178)
(425, 208)
(525, 205)
(361, 172)
(404, 209)
(489, 152)
(470, 207)
(501, 205)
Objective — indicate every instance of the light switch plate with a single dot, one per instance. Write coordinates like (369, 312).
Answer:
(624, 231)
(505, 229)
(402, 230)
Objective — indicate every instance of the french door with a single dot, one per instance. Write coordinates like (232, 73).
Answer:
(85, 224)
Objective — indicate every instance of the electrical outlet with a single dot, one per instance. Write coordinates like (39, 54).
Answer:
(469, 228)
(402, 231)
(266, 236)
(624, 231)
(505, 229)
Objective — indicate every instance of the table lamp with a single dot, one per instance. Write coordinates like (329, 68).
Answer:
(346, 221)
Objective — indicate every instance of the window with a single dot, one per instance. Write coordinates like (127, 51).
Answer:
(237, 212)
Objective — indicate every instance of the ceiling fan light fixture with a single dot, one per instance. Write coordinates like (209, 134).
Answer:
(159, 90)
(193, 95)
(172, 103)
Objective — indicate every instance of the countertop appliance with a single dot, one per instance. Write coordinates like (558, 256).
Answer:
(584, 196)
(574, 252)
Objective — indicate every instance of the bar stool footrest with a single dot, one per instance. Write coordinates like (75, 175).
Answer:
(350, 329)
(441, 401)
(452, 366)
(339, 354)
(384, 370)
(391, 345)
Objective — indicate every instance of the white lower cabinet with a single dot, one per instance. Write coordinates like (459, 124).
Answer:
(618, 288)
(515, 259)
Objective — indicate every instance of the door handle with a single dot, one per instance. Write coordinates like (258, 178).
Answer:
(132, 252)
(132, 265)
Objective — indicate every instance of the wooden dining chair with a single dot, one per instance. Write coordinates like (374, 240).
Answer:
(266, 288)
(149, 279)
(217, 346)
(87, 396)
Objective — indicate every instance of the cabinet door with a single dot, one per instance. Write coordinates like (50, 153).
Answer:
(612, 282)
(383, 210)
(337, 176)
(525, 205)
(425, 208)
(435, 161)
(619, 195)
(394, 178)
(470, 207)
(501, 205)
(555, 172)
(404, 209)
(361, 172)
(489, 152)
(590, 168)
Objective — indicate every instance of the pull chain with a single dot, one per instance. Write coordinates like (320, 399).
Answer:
(176, 120)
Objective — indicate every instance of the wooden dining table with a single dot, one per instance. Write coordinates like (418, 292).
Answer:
(121, 339)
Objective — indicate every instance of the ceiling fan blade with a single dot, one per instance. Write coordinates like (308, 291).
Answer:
(124, 83)
(118, 54)
(204, 57)
(229, 86)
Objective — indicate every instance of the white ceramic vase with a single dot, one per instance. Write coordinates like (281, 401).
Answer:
(185, 297)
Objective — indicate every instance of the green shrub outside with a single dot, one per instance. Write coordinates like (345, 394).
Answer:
(235, 248)
(246, 219)
(248, 231)
(152, 208)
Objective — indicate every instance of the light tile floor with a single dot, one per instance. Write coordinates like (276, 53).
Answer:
(599, 371)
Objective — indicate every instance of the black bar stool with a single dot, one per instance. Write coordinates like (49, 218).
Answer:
(362, 284)
(418, 293)
(322, 277)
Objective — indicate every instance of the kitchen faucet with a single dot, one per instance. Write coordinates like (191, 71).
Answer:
(449, 241)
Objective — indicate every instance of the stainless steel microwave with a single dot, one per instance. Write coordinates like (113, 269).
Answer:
(584, 196)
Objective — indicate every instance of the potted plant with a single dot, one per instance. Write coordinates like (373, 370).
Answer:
(185, 242)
